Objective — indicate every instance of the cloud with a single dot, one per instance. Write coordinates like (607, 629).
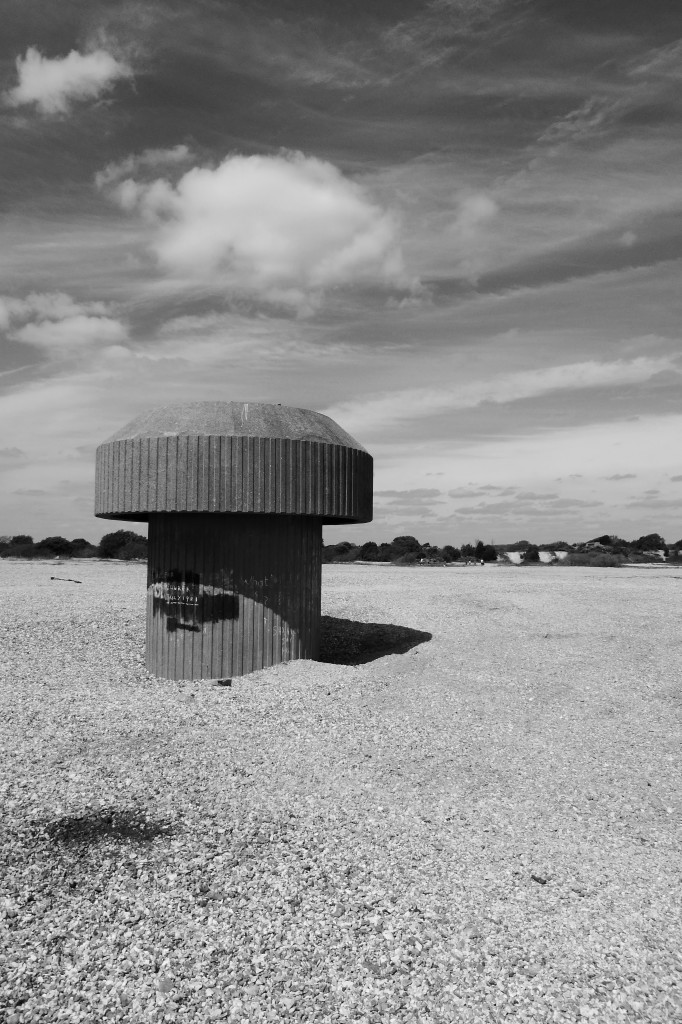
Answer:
(74, 332)
(53, 84)
(525, 508)
(621, 476)
(380, 410)
(473, 212)
(282, 228)
(581, 122)
(651, 501)
(480, 492)
(564, 503)
(59, 325)
(417, 493)
(429, 37)
(676, 479)
(11, 454)
(660, 63)
(133, 164)
(45, 306)
(464, 492)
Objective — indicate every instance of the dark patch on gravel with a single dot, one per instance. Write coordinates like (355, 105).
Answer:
(95, 826)
(346, 642)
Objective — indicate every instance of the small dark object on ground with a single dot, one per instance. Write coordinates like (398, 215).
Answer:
(65, 579)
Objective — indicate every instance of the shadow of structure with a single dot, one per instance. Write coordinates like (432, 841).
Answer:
(122, 826)
(345, 642)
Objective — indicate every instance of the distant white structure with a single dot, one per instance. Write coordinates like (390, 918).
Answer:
(516, 557)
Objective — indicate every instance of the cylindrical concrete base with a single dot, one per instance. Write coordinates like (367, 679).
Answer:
(229, 594)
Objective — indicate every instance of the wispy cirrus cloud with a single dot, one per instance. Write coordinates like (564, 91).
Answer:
(413, 494)
(414, 403)
(146, 161)
(54, 84)
(484, 491)
(521, 509)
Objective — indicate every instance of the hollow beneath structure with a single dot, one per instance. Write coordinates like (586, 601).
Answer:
(231, 593)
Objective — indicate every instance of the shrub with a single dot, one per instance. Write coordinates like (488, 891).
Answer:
(22, 538)
(80, 542)
(87, 551)
(531, 554)
(641, 556)
(133, 549)
(53, 546)
(18, 550)
(599, 559)
(403, 545)
(520, 545)
(488, 553)
(350, 554)
(650, 542)
(111, 544)
(409, 558)
(606, 560)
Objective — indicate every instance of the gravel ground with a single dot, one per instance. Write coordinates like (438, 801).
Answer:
(480, 826)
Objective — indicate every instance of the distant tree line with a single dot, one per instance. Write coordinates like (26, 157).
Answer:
(603, 550)
(407, 550)
(404, 550)
(121, 544)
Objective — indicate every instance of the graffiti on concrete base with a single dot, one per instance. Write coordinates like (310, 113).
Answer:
(179, 596)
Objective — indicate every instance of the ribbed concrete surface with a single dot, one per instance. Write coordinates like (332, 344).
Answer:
(206, 473)
(235, 495)
(230, 594)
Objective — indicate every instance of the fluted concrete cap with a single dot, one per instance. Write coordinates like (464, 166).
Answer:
(233, 457)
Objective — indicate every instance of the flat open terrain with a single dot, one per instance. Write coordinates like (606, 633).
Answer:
(479, 826)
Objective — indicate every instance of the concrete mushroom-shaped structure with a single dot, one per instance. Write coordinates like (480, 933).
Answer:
(235, 495)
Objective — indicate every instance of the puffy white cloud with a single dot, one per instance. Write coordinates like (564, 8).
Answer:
(74, 332)
(283, 228)
(53, 84)
(44, 306)
(56, 323)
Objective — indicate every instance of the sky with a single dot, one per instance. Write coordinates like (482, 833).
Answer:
(454, 226)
